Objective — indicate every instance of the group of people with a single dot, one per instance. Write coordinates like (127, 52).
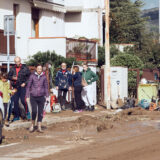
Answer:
(25, 86)
(80, 82)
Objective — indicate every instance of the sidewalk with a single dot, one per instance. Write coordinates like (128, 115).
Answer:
(64, 116)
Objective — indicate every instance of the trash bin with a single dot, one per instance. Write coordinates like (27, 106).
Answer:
(147, 91)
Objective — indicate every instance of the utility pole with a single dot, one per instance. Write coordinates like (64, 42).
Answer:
(107, 81)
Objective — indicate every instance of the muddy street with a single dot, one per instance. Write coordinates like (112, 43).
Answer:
(129, 135)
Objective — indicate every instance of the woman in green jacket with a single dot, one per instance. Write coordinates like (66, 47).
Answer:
(88, 77)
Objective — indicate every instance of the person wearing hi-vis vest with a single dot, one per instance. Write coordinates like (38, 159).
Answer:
(88, 77)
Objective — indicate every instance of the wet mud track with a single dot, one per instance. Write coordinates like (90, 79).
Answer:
(129, 135)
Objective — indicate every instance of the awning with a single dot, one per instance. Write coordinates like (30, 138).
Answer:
(74, 9)
(49, 6)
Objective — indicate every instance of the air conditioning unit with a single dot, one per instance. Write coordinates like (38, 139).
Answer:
(60, 2)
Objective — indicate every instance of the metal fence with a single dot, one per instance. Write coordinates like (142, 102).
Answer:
(81, 49)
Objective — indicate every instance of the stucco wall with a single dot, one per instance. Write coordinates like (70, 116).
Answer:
(73, 3)
(85, 3)
(87, 23)
(56, 44)
(23, 24)
(82, 24)
(51, 24)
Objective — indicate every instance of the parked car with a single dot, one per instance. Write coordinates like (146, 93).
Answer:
(1, 115)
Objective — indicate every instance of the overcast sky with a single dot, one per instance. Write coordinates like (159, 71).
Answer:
(150, 4)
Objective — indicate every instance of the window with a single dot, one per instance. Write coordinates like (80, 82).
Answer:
(35, 22)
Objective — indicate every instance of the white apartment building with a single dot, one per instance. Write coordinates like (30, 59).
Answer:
(84, 18)
(42, 25)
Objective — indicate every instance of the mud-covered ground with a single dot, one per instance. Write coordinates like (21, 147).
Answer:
(132, 134)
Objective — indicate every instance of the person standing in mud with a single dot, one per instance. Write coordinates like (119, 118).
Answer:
(88, 77)
(5, 89)
(63, 82)
(37, 90)
(19, 75)
(77, 83)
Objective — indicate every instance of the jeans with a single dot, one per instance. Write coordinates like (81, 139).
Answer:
(20, 94)
(5, 109)
(37, 103)
(62, 99)
(11, 105)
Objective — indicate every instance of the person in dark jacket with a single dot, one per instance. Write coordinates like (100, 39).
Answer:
(19, 75)
(37, 90)
(77, 83)
(63, 82)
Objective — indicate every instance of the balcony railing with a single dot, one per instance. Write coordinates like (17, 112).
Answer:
(82, 50)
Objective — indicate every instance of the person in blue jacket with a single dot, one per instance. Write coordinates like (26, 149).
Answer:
(63, 82)
(77, 83)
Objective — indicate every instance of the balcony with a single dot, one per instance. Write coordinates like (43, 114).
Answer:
(43, 44)
(53, 5)
(82, 50)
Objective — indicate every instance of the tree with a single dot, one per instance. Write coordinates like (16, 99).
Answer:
(126, 25)
(49, 57)
(127, 60)
(52, 58)
(101, 54)
(149, 53)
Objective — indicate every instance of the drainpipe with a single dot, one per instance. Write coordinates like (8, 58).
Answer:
(100, 26)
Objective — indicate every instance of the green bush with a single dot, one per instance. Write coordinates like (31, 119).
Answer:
(127, 60)
(101, 54)
(52, 58)
(49, 57)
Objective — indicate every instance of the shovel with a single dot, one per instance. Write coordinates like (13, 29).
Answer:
(119, 100)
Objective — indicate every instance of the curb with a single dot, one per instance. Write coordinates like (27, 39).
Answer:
(49, 120)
